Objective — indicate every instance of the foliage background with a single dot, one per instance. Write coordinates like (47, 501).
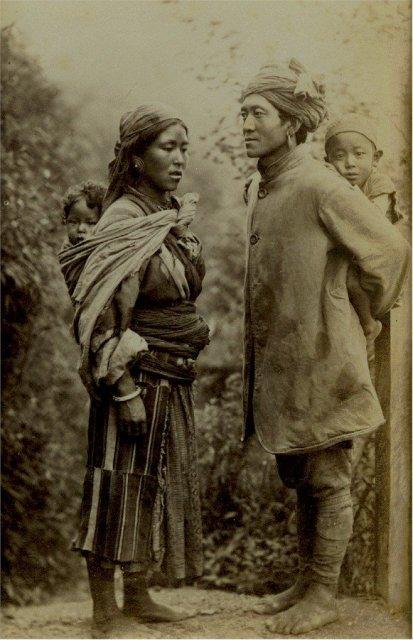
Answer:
(62, 97)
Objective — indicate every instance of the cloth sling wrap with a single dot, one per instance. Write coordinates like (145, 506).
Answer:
(112, 253)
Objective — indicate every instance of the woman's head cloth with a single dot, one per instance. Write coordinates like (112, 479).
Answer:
(355, 123)
(139, 121)
(289, 87)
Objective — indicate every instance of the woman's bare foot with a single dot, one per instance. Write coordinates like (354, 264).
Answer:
(137, 602)
(109, 626)
(283, 600)
(147, 610)
(315, 609)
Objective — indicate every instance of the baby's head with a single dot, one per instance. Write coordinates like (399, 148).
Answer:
(82, 208)
(351, 146)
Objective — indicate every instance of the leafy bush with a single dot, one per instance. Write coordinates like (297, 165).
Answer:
(44, 414)
(248, 515)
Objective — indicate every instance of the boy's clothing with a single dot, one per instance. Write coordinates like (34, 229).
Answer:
(307, 384)
(378, 184)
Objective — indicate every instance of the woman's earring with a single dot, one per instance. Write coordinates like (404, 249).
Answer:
(289, 140)
(139, 165)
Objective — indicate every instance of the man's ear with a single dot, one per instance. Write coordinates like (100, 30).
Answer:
(294, 124)
(376, 157)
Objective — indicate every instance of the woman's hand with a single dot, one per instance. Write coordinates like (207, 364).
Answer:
(131, 413)
(187, 211)
(132, 417)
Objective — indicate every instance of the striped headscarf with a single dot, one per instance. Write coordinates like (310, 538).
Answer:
(145, 122)
(289, 87)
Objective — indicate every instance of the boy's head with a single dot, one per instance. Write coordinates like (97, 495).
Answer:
(82, 208)
(351, 146)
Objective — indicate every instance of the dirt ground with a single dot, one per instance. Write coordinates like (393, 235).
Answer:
(220, 615)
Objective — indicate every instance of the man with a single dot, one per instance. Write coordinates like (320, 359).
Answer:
(307, 387)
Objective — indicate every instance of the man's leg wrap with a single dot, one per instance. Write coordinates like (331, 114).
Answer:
(306, 516)
(334, 526)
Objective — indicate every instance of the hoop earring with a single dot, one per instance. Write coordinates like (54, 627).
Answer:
(289, 140)
(139, 165)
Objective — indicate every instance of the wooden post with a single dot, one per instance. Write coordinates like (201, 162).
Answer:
(393, 460)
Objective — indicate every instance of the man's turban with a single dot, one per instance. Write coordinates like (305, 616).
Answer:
(291, 89)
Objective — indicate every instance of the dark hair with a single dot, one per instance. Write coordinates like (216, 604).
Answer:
(122, 172)
(301, 134)
(92, 192)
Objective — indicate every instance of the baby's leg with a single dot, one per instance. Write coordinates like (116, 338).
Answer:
(361, 302)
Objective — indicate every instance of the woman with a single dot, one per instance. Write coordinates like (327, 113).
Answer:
(140, 335)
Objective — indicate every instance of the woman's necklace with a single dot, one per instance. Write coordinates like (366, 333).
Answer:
(161, 203)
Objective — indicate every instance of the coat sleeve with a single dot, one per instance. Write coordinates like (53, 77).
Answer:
(380, 250)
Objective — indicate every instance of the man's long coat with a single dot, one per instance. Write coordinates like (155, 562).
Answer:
(306, 379)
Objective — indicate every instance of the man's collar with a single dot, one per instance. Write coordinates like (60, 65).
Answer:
(286, 162)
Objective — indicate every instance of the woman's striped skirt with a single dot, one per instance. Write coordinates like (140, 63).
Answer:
(141, 504)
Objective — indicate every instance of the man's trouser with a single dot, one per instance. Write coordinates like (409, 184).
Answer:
(322, 480)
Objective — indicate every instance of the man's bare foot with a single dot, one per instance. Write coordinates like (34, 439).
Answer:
(283, 600)
(315, 609)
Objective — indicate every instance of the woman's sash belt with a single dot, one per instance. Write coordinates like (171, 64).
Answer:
(175, 336)
(164, 365)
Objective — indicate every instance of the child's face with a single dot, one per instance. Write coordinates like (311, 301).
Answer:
(353, 155)
(81, 221)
